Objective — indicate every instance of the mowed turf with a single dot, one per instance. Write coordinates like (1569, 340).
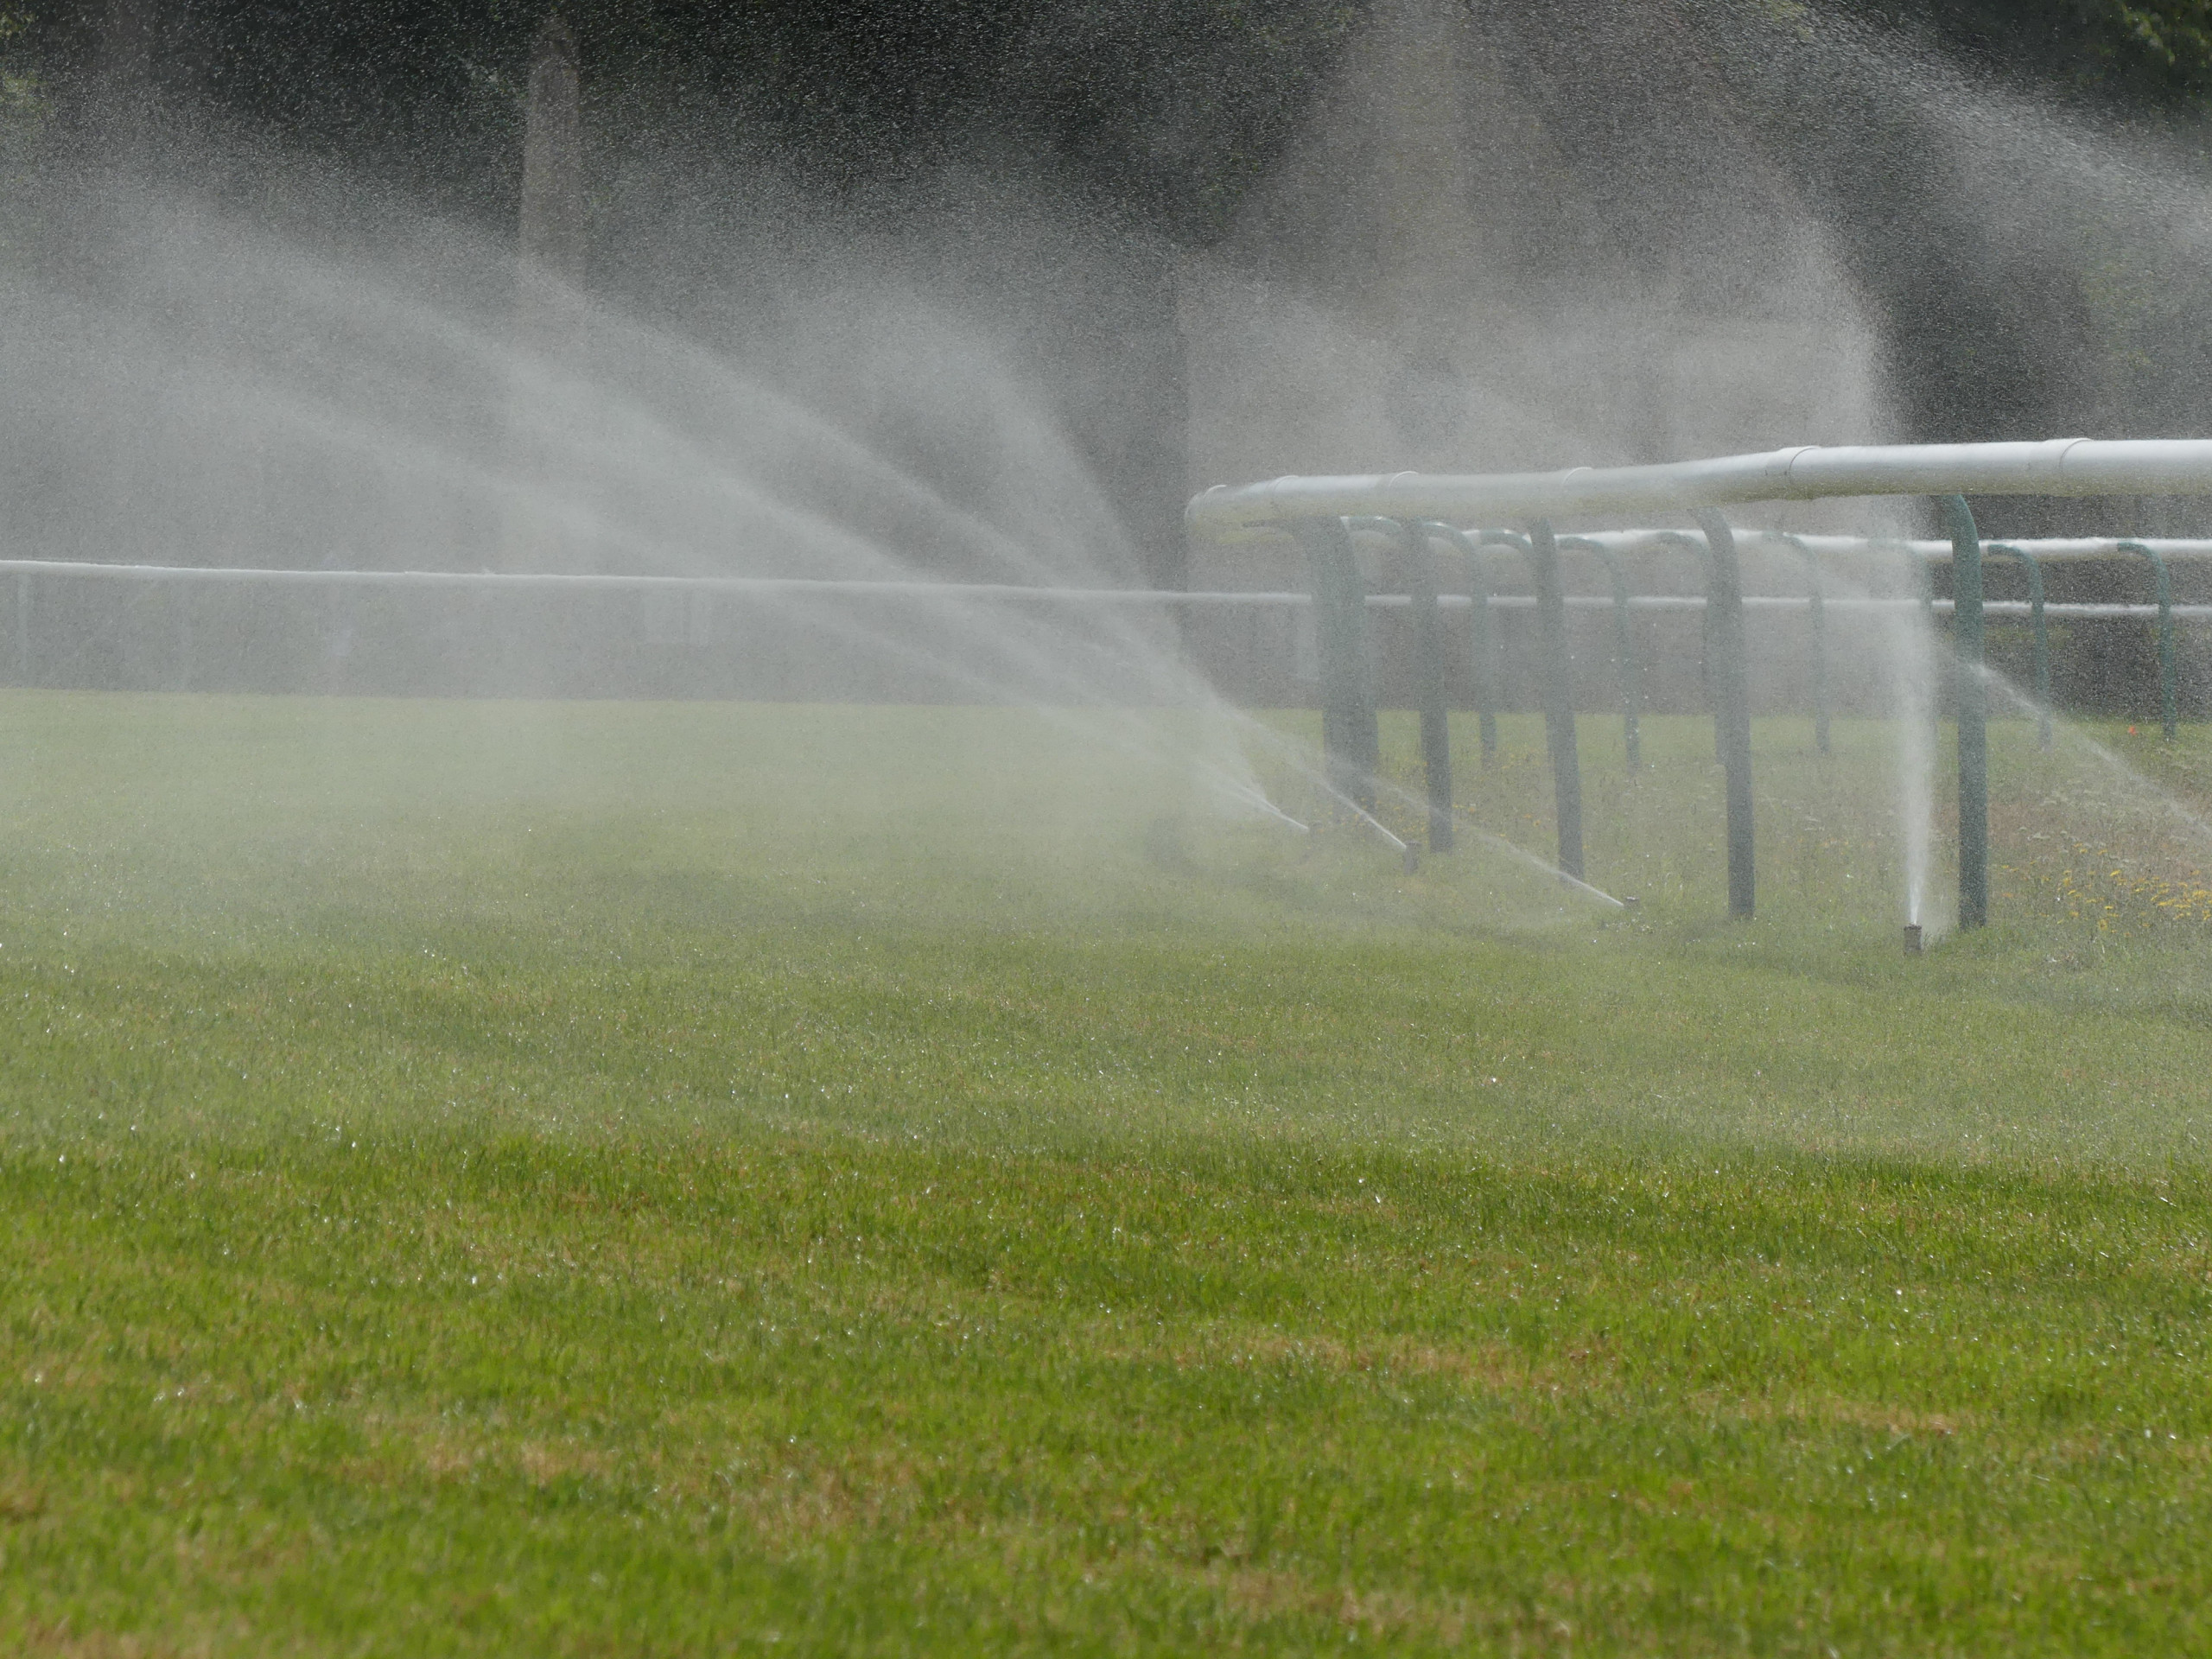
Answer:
(481, 1178)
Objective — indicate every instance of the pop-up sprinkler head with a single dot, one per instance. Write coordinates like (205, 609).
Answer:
(1413, 860)
(1912, 940)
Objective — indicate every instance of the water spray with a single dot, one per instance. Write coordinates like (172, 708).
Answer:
(1272, 811)
(1397, 843)
(1520, 855)
(1411, 855)
(1406, 853)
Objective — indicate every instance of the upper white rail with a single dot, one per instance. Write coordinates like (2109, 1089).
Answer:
(2057, 466)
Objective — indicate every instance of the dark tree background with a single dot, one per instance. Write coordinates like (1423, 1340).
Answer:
(1176, 105)
(2143, 57)
(1160, 115)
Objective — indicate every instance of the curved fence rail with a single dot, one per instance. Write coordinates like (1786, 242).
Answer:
(1945, 474)
(1361, 563)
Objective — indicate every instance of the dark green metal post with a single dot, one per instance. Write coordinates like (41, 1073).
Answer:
(1559, 697)
(1624, 645)
(1733, 700)
(23, 675)
(1429, 680)
(1527, 550)
(1817, 609)
(2038, 630)
(1705, 655)
(1481, 634)
(1350, 744)
(2166, 709)
(1972, 712)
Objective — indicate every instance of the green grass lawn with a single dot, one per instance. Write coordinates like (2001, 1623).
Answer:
(668, 1180)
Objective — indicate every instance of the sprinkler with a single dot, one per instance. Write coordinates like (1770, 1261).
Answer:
(1411, 858)
(1912, 941)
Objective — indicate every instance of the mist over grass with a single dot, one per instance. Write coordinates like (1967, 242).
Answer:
(857, 860)
(494, 1178)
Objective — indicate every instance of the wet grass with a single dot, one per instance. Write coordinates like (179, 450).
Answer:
(629, 1180)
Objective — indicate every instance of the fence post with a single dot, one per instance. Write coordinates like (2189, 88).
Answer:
(2165, 590)
(1559, 695)
(1481, 637)
(1972, 712)
(1624, 645)
(1428, 670)
(1705, 648)
(1732, 705)
(2039, 632)
(1350, 744)
(1527, 549)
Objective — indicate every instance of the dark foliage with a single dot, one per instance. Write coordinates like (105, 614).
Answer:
(1165, 112)
(1173, 104)
(2106, 49)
